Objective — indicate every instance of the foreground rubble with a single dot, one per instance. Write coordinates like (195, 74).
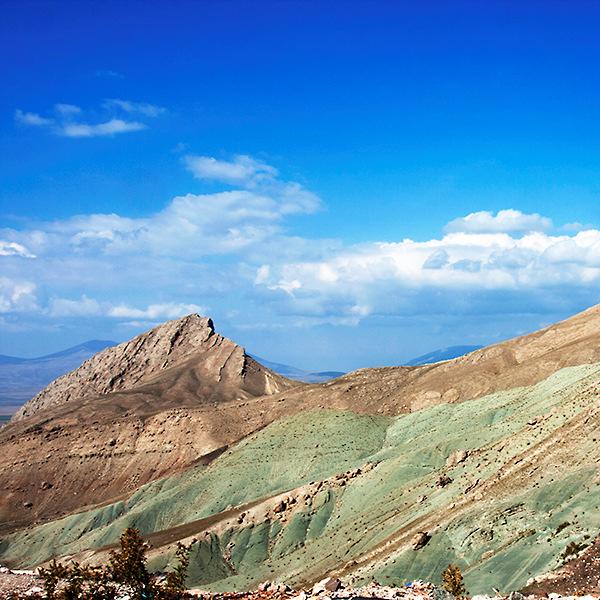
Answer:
(27, 584)
(21, 584)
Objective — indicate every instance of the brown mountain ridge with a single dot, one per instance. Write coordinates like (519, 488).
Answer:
(181, 393)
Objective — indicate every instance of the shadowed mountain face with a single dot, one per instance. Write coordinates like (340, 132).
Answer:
(490, 453)
(23, 378)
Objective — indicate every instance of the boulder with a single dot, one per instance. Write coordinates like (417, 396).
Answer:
(457, 457)
(330, 584)
(419, 540)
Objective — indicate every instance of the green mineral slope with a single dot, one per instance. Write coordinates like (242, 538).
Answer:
(335, 492)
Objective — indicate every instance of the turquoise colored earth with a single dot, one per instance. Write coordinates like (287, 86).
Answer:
(356, 490)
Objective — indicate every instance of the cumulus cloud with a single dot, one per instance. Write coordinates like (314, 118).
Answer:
(198, 244)
(233, 246)
(242, 170)
(193, 226)
(169, 310)
(17, 296)
(436, 260)
(397, 277)
(14, 249)
(504, 221)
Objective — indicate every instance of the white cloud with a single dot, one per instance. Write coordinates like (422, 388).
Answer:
(84, 307)
(193, 225)
(169, 310)
(143, 108)
(67, 110)
(436, 260)
(505, 221)
(90, 307)
(14, 249)
(262, 274)
(64, 124)
(408, 276)
(17, 296)
(31, 118)
(108, 128)
(232, 245)
(242, 170)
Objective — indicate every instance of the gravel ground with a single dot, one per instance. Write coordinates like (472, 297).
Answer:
(26, 584)
(21, 584)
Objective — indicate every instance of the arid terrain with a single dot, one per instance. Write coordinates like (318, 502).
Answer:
(489, 460)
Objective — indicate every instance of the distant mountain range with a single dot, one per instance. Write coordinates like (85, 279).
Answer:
(298, 374)
(442, 354)
(23, 378)
(321, 376)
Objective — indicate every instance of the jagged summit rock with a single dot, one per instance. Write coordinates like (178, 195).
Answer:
(191, 339)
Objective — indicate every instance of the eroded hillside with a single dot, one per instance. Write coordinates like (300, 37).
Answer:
(484, 453)
(134, 412)
(500, 484)
(181, 393)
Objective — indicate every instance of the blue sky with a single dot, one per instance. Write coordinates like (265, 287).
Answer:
(266, 163)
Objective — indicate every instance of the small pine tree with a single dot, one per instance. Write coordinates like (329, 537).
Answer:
(453, 581)
(128, 565)
(126, 568)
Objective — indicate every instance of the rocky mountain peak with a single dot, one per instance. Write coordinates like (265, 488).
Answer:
(138, 361)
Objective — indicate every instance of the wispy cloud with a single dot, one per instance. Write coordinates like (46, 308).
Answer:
(108, 128)
(109, 74)
(14, 249)
(257, 176)
(169, 310)
(67, 109)
(68, 120)
(82, 307)
(142, 108)
(31, 118)
(90, 307)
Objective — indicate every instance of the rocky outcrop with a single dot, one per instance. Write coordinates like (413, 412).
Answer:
(191, 339)
(168, 399)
